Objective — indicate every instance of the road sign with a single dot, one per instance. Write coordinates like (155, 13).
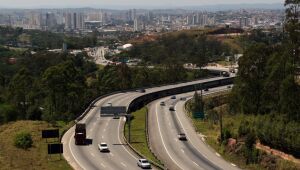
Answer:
(50, 133)
(55, 148)
(113, 110)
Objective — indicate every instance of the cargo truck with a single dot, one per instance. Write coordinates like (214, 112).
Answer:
(80, 134)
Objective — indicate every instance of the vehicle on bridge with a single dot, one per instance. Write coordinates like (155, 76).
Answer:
(80, 134)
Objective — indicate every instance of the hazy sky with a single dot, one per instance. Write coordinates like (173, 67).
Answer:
(126, 3)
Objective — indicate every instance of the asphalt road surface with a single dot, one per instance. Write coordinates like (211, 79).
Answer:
(109, 130)
(192, 154)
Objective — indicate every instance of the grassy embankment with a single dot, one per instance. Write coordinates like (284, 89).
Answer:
(212, 132)
(35, 157)
(138, 134)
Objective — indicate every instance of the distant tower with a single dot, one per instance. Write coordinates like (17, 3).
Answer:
(64, 48)
(135, 25)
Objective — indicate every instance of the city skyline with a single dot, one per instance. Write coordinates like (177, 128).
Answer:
(124, 4)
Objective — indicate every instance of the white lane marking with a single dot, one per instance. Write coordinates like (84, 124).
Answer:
(91, 130)
(182, 150)
(185, 131)
(103, 165)
(233, 164)
(218, 154)
(121, 142)
(111, 154)
(156, 111)
(93, 155)
(73, 154)
(123, 164)
(102, 137)
(195, 163)
(104, 130)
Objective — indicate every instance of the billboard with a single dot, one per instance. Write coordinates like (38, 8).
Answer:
(55, 148)
(113, 110)
(50, 133)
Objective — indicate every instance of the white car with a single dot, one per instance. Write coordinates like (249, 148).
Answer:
(143, 163)
(103, 147)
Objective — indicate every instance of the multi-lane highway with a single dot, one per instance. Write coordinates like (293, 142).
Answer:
(109, 130)
(166, 125)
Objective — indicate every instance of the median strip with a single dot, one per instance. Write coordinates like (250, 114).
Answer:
(139, 136)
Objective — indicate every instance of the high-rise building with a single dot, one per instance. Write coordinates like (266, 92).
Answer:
(136, 25)
(68, 21)
(74, 21)
(243, 22)
(50, 21)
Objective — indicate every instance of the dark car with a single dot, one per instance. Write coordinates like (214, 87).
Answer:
(141, 90)
(173, 97)
(171, 108)
(182, 136)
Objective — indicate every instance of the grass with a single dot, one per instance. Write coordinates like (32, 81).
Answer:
(232, 122)
(138, 134)
(35, 157)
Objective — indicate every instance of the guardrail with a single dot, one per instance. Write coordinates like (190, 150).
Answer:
(128, 90)
(141, 101)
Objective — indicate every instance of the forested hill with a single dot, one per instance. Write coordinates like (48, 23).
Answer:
(180, 47)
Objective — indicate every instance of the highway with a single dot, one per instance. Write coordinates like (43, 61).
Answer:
(109, 130)
(166, 125)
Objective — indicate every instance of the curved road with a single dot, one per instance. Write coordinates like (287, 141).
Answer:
(192, 154)
(109, 130)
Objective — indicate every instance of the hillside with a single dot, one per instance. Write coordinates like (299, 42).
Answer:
(34, 158)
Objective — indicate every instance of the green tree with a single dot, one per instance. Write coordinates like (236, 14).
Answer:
(289, 98)
(19, 90)
(292, 26)
(247, 92)
(64, 85)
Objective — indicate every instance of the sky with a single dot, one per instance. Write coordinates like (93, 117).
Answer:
(121, 3)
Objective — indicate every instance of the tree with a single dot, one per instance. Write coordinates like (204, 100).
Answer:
(64, 86)
(289, 98)
(247, 92)
(198, 104)
(292, 26)
(19, 90)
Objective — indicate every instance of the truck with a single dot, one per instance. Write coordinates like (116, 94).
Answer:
(80, 134)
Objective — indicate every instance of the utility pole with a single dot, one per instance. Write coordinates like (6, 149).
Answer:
(221, 121)
(128, 116)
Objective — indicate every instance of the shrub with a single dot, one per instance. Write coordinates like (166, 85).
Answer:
(23, 140)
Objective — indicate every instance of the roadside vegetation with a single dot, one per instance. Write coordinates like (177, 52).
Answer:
(235, 136)
(259, 120)
(34, 157)
(138, 135)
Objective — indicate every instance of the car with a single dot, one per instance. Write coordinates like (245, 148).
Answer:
(229, 87)
(141, 90)
(109, 104)
(173, 97)
(206, 89)
(162, 103)
(171, 108)
(116, 116)
(183, 98)
(143, 163)
(182, 136)
(103, 147)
